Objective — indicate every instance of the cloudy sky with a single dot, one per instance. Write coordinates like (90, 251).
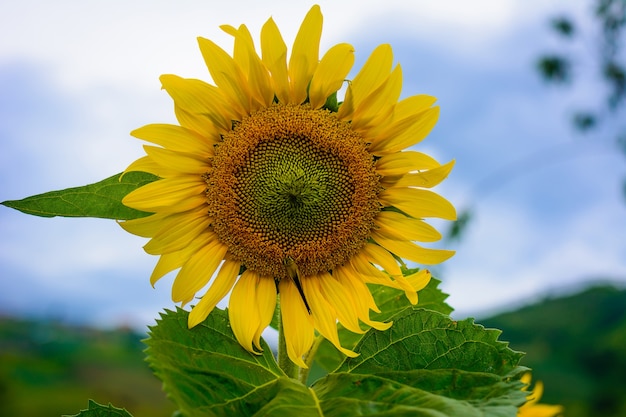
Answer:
(76, 77)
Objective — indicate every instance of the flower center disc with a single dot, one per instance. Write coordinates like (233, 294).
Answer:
(291, 181)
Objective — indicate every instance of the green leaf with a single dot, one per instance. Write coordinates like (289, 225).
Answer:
(102, 199)
(207, 373)
(99, 410)
(376, 395)
(425, 339)
(390, 301)
(426, 364)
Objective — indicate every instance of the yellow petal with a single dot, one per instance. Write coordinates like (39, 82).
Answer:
(369, 273)
(331, 73)
(351, 279)
(342, 301)
(397, 226)
(324, 314)
(418, 203)
(227, 75)
(373, 73)
(198, 270)
(146, 164)
(409, 136)
(274, 56)
(419, 280)
(360, 294)
(379, 104)
(223, 283)
(144, 226)
(412, 106)
(425, 179)
(406, 112)
(382, 258)
(198, 98)
(177, 138)
(411, 251)
(177, 231)
(305, 55)
(171, 195)
(297, 322)
(182, 163)
(266, 304)
(242, 313)
(259, 80)
(401, 163)
(173, 260)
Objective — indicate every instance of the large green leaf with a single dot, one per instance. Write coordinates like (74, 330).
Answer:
(390, 301)
(99, 410)
(102, 199)
(425, 339)
(207, 373)
(343, 394)
(426, 364)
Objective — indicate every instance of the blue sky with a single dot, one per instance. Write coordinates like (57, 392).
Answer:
(76, 78)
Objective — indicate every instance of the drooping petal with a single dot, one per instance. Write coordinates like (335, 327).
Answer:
(419, 280)
(297, 322)
(242, 312)
(342, 301)
(361, 295)
(331, 73)
(324, 314)
(223, 283)
(266, 304)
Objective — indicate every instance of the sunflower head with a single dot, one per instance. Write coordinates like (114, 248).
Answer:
(265, 188)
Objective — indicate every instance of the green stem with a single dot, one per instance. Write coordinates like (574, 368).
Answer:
(308, 360)
(288, 367)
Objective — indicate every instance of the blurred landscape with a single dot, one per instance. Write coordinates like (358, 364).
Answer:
(575, 345)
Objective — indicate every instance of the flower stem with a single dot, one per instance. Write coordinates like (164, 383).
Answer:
(288, 367)
(304, 372)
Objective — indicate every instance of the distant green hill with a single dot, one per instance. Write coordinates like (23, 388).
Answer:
(577, 346)
(51, 369)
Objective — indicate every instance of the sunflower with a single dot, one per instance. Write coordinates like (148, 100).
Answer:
(268, 186)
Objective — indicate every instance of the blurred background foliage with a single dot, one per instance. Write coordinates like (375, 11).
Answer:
(48, 368)
(598, 44)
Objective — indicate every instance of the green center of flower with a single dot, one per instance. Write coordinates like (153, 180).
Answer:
(289, 181)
